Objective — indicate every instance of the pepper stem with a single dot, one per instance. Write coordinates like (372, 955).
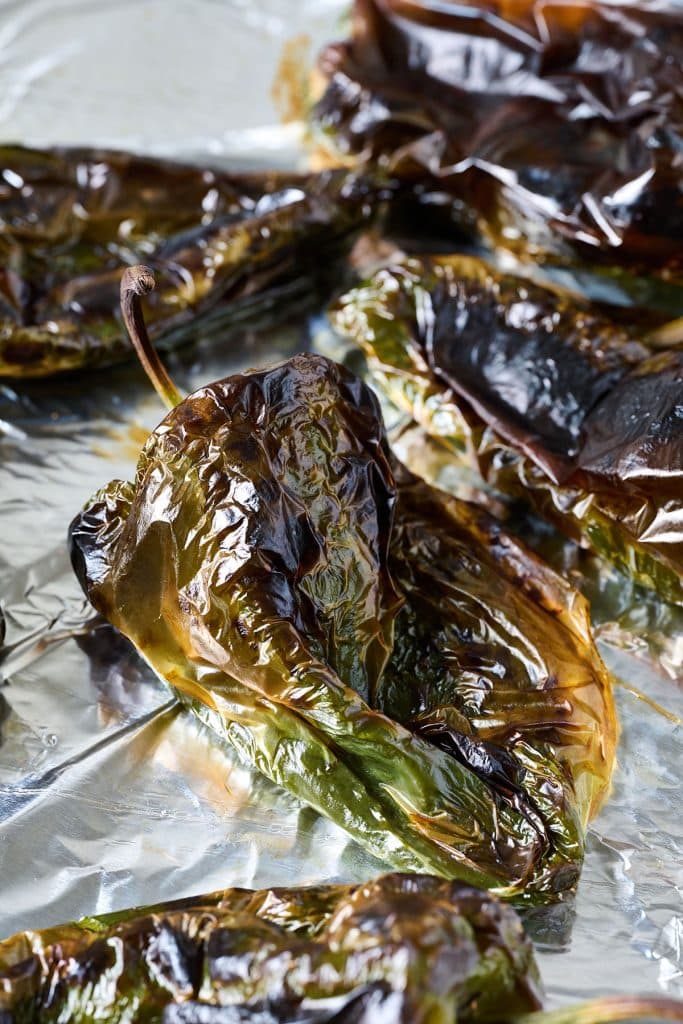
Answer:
(138, 281)
(609, 1010)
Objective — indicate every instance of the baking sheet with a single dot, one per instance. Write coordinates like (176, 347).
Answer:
(110, 795)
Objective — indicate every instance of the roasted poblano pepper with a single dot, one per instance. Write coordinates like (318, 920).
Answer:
(554, 129)
(223, 246)
(380, 649)
(402, 949)
(549, 400)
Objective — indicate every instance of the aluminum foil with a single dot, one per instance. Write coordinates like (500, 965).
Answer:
(110, 795)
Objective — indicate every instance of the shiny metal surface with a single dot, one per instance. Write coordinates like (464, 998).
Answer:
(109, 794)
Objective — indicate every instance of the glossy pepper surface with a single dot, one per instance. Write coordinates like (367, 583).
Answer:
(398, 950)
(550, 400)
(555, 128)
(402, 949)
(385, 652)
(224, 246)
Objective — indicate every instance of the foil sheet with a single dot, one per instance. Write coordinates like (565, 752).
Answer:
(110, 795)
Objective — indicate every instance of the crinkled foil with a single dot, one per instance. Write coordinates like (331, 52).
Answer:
(110, 795)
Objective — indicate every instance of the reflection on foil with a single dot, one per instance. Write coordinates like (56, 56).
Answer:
(118, 675)
(110, 794)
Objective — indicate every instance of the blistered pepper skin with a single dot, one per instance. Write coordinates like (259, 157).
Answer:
(224, 247)
(403, 949)
(554, 128)
(548, 399)
(379, 649)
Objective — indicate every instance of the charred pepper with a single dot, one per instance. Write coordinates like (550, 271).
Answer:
(223, 245)
(380, 649)
(548, 399)
(554, 130)
(402, 948)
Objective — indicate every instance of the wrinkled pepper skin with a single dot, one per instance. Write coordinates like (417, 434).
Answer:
(401, 949)
(549, 400)
(381, 650)
(223, 247)
(555, 128)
